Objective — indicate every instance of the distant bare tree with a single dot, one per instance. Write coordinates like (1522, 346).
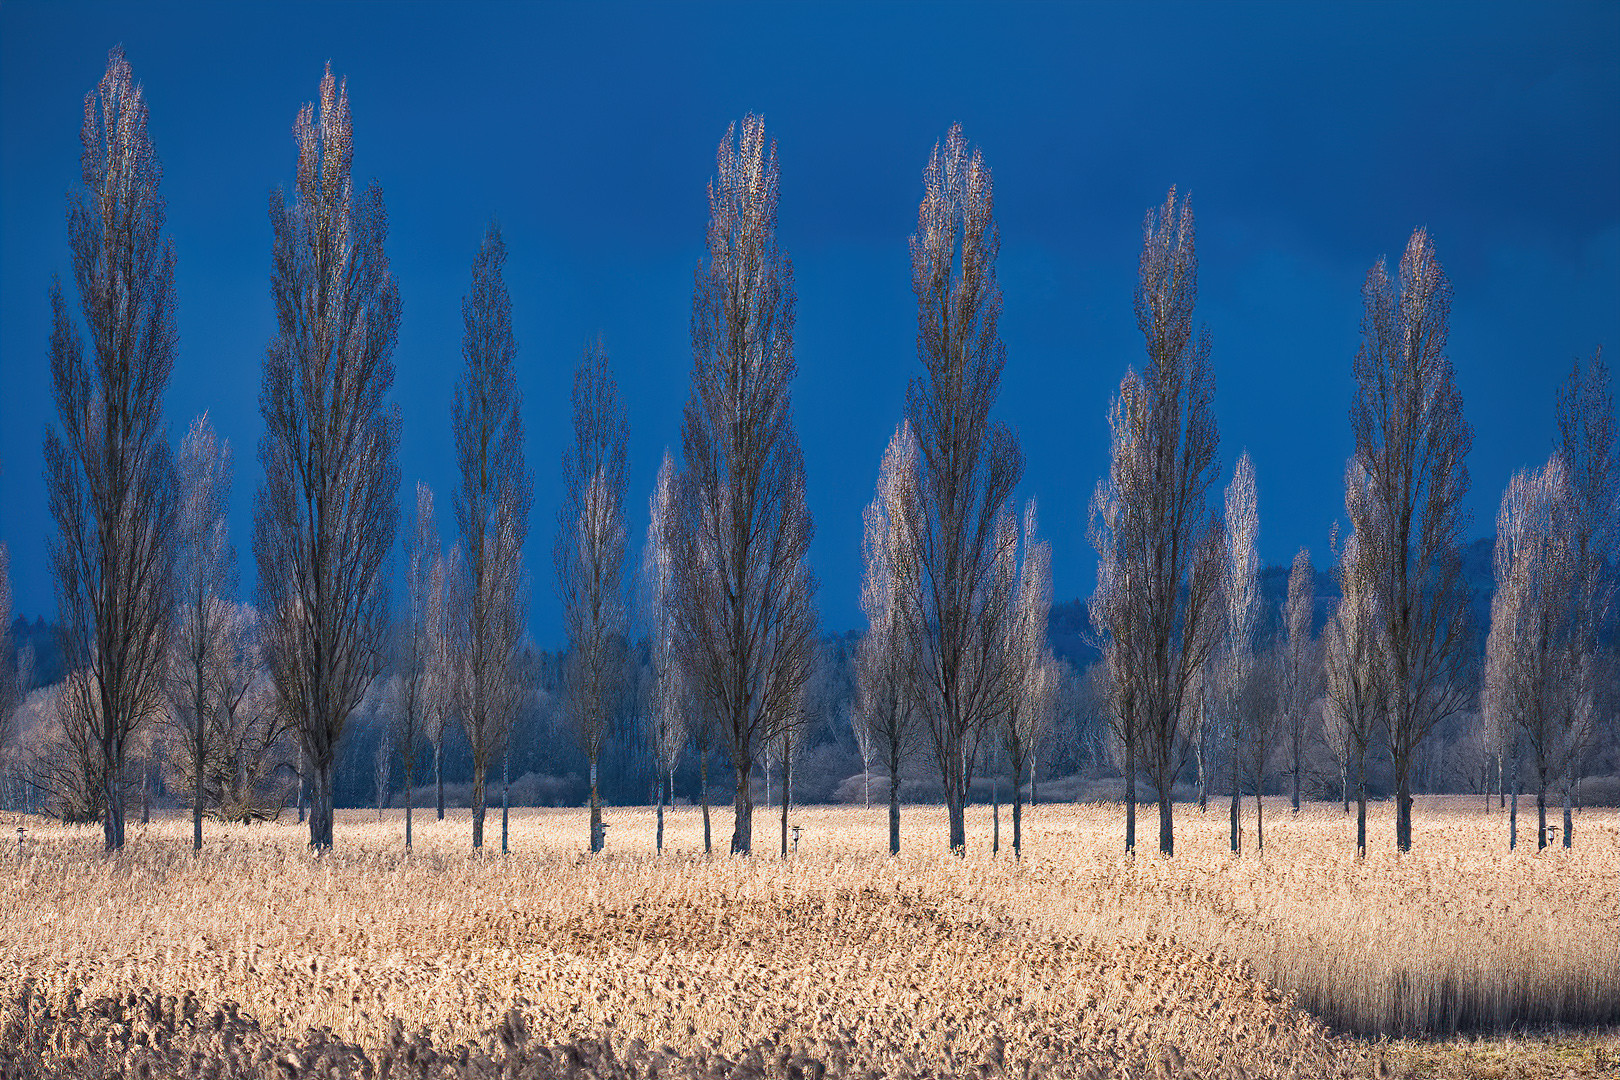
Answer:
(589, 558)
(1034, 702)
(967, 468)
(205, 579)
(1301, 666)
(326, 514)
(743, 595)
(1233, 663)
(110, 473)
(1534, 654)
(1589, 446)
(885, 718)
(671, 703)
(421, 700)
(1353, 647)
(1411, 440)
(492, 514)
(1154, 535)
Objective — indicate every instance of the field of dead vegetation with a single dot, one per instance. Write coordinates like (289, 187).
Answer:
(259, 959)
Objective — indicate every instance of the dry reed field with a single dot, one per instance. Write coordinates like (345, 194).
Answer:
(260, 959)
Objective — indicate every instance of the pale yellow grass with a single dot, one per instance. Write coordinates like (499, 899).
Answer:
(1076, 958)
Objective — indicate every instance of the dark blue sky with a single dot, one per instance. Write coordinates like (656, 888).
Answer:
(1312, 139)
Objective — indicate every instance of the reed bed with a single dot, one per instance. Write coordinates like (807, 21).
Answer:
(837, 962)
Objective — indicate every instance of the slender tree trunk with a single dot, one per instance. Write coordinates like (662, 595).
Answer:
(1259, 821)
(1167, 832)
(894, 799)
(320, 807)
(956, 811)
(199, 750)
(1541, 806)
(1344, 784)
(787, 797)
(995, 810)
(1203, 775)
(742, 828)
(1297, 750)
(1513, 814)
(703, 787)
(659, 843)
(1361, 803)
(146, 789)
(408, 779)
(438, 773)
(478, 806)
(1569, 821)
(506, 793)
(1403, 805)
(1130, 796)
(1501, 795)
(596, 812)
(1017, 809)
(303, 788)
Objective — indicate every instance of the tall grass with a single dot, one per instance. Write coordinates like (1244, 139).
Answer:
(1076, 959)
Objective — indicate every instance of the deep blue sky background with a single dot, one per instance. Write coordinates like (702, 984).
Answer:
(1312, 139)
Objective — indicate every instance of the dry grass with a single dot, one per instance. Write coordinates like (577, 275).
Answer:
(840, 958)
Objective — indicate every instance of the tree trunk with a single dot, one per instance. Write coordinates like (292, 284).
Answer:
(1237, 815)
(1569, 821)
(1167, 832)
(596, 812)
(703, 787)
(407, 807)
(303, 788)
(787, 797)
(438, 773)
(199, 750)
(1541, 807)
(956, 811)
(742, 829)
(506, 793)
(1501, 795)
(894, 799)
(659, 842)
(320, 807)
(1203, 776)
(1403, 807)
(1259, 821)
(1130, 796)
(995, 811)
(478, 806)
(1344, 784)
(1017, 809)
(1513, 814)
(1296, 737)
(1361, 803)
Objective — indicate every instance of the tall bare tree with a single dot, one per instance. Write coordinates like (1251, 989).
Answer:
(1589, 447)
(1411, 440)
(1033, 703)
(1232, 665)
(589, 558)
(1154, 532)
(1534, 654)
(109, 472)
(1301, 667)
(1353, 649)
(670, 704)
(740, 530)
(967, 468)
(492, 515)
(421, 690)
(205, 579)
(885, 716)
(326, 514)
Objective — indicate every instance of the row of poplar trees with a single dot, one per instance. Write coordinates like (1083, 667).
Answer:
(955, 592)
